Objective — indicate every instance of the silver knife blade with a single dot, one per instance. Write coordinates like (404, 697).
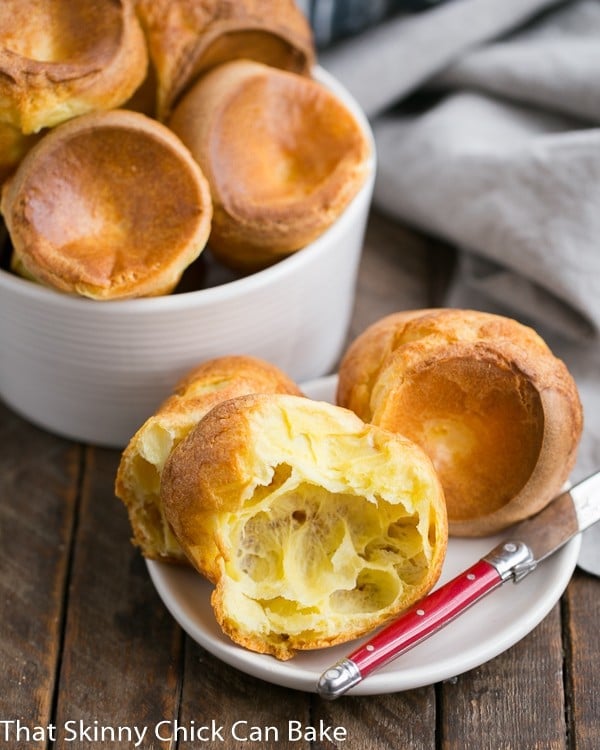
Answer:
(573, 511)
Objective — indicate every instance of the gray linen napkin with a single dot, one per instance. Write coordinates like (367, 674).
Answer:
(486, 116)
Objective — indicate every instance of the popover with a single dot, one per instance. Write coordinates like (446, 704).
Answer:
(108, 205)
(140, 469)
(483, 395)
(314, 526)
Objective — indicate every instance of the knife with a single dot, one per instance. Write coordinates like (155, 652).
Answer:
(527, 544)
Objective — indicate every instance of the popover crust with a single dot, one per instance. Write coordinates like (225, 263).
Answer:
(60, 59)
(186, 38)
(13, 146)
(314, 526)
(108, 205)
(283, 157)
(140, 469)
(483, 395)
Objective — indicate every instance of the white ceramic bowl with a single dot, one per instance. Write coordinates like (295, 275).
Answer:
(94, 371)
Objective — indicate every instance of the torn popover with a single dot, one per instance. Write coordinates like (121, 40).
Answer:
(140, 469)
(282, 154)
(61, 58)
(483, 395)
(314, 526)
(108, 205)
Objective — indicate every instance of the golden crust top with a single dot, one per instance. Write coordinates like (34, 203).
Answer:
(60, 59)
(108, 205)
(314, 526)
(186, 38)
(483, 395)
(282, 154)
(140, 469)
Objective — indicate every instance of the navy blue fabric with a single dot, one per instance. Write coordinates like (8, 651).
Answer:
(332, 20)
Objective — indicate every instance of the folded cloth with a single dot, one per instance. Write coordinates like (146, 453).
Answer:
(486, 116)
(385, 63)
(519, 186)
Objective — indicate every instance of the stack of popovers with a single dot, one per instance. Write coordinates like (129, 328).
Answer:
(95, 369)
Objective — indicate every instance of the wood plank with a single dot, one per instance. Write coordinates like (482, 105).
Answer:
(38, 494)
(515, 701)
(393, 273)
(400, 270)
(398, 720)
(122, 649)
(215, 691)
(582, 614)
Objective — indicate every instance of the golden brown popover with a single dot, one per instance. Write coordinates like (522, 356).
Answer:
(62, 58)
(138, 477)
(486, 399)
(13, 146)
(186, 38)
(108, 205)
(314, 526)
(282, 154)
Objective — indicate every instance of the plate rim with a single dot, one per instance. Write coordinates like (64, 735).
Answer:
(388, 680)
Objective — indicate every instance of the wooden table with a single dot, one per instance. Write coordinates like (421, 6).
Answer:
(85, 638)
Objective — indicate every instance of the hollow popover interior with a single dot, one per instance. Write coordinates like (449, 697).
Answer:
(314, 526)
(483, 395)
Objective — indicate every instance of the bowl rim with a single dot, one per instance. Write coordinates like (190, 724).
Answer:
(229, 289)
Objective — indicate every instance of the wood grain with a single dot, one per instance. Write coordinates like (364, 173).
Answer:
(122, 650)
(400, 270)
(39, 477)
(401, 720)
(581, 615)
(244, 706)
(512, 702)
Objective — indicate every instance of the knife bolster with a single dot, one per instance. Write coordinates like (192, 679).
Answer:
(512, 560)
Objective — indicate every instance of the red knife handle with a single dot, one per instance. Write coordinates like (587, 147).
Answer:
(427, 616)
(415, 625)
(509, 559)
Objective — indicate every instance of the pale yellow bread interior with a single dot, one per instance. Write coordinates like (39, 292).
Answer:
(186, 38)
(483, 395)
(140, 469)
(108, 205)
(62, 58)
(282, 154)
(314, 526)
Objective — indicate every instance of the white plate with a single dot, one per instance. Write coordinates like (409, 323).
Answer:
(490, 627)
